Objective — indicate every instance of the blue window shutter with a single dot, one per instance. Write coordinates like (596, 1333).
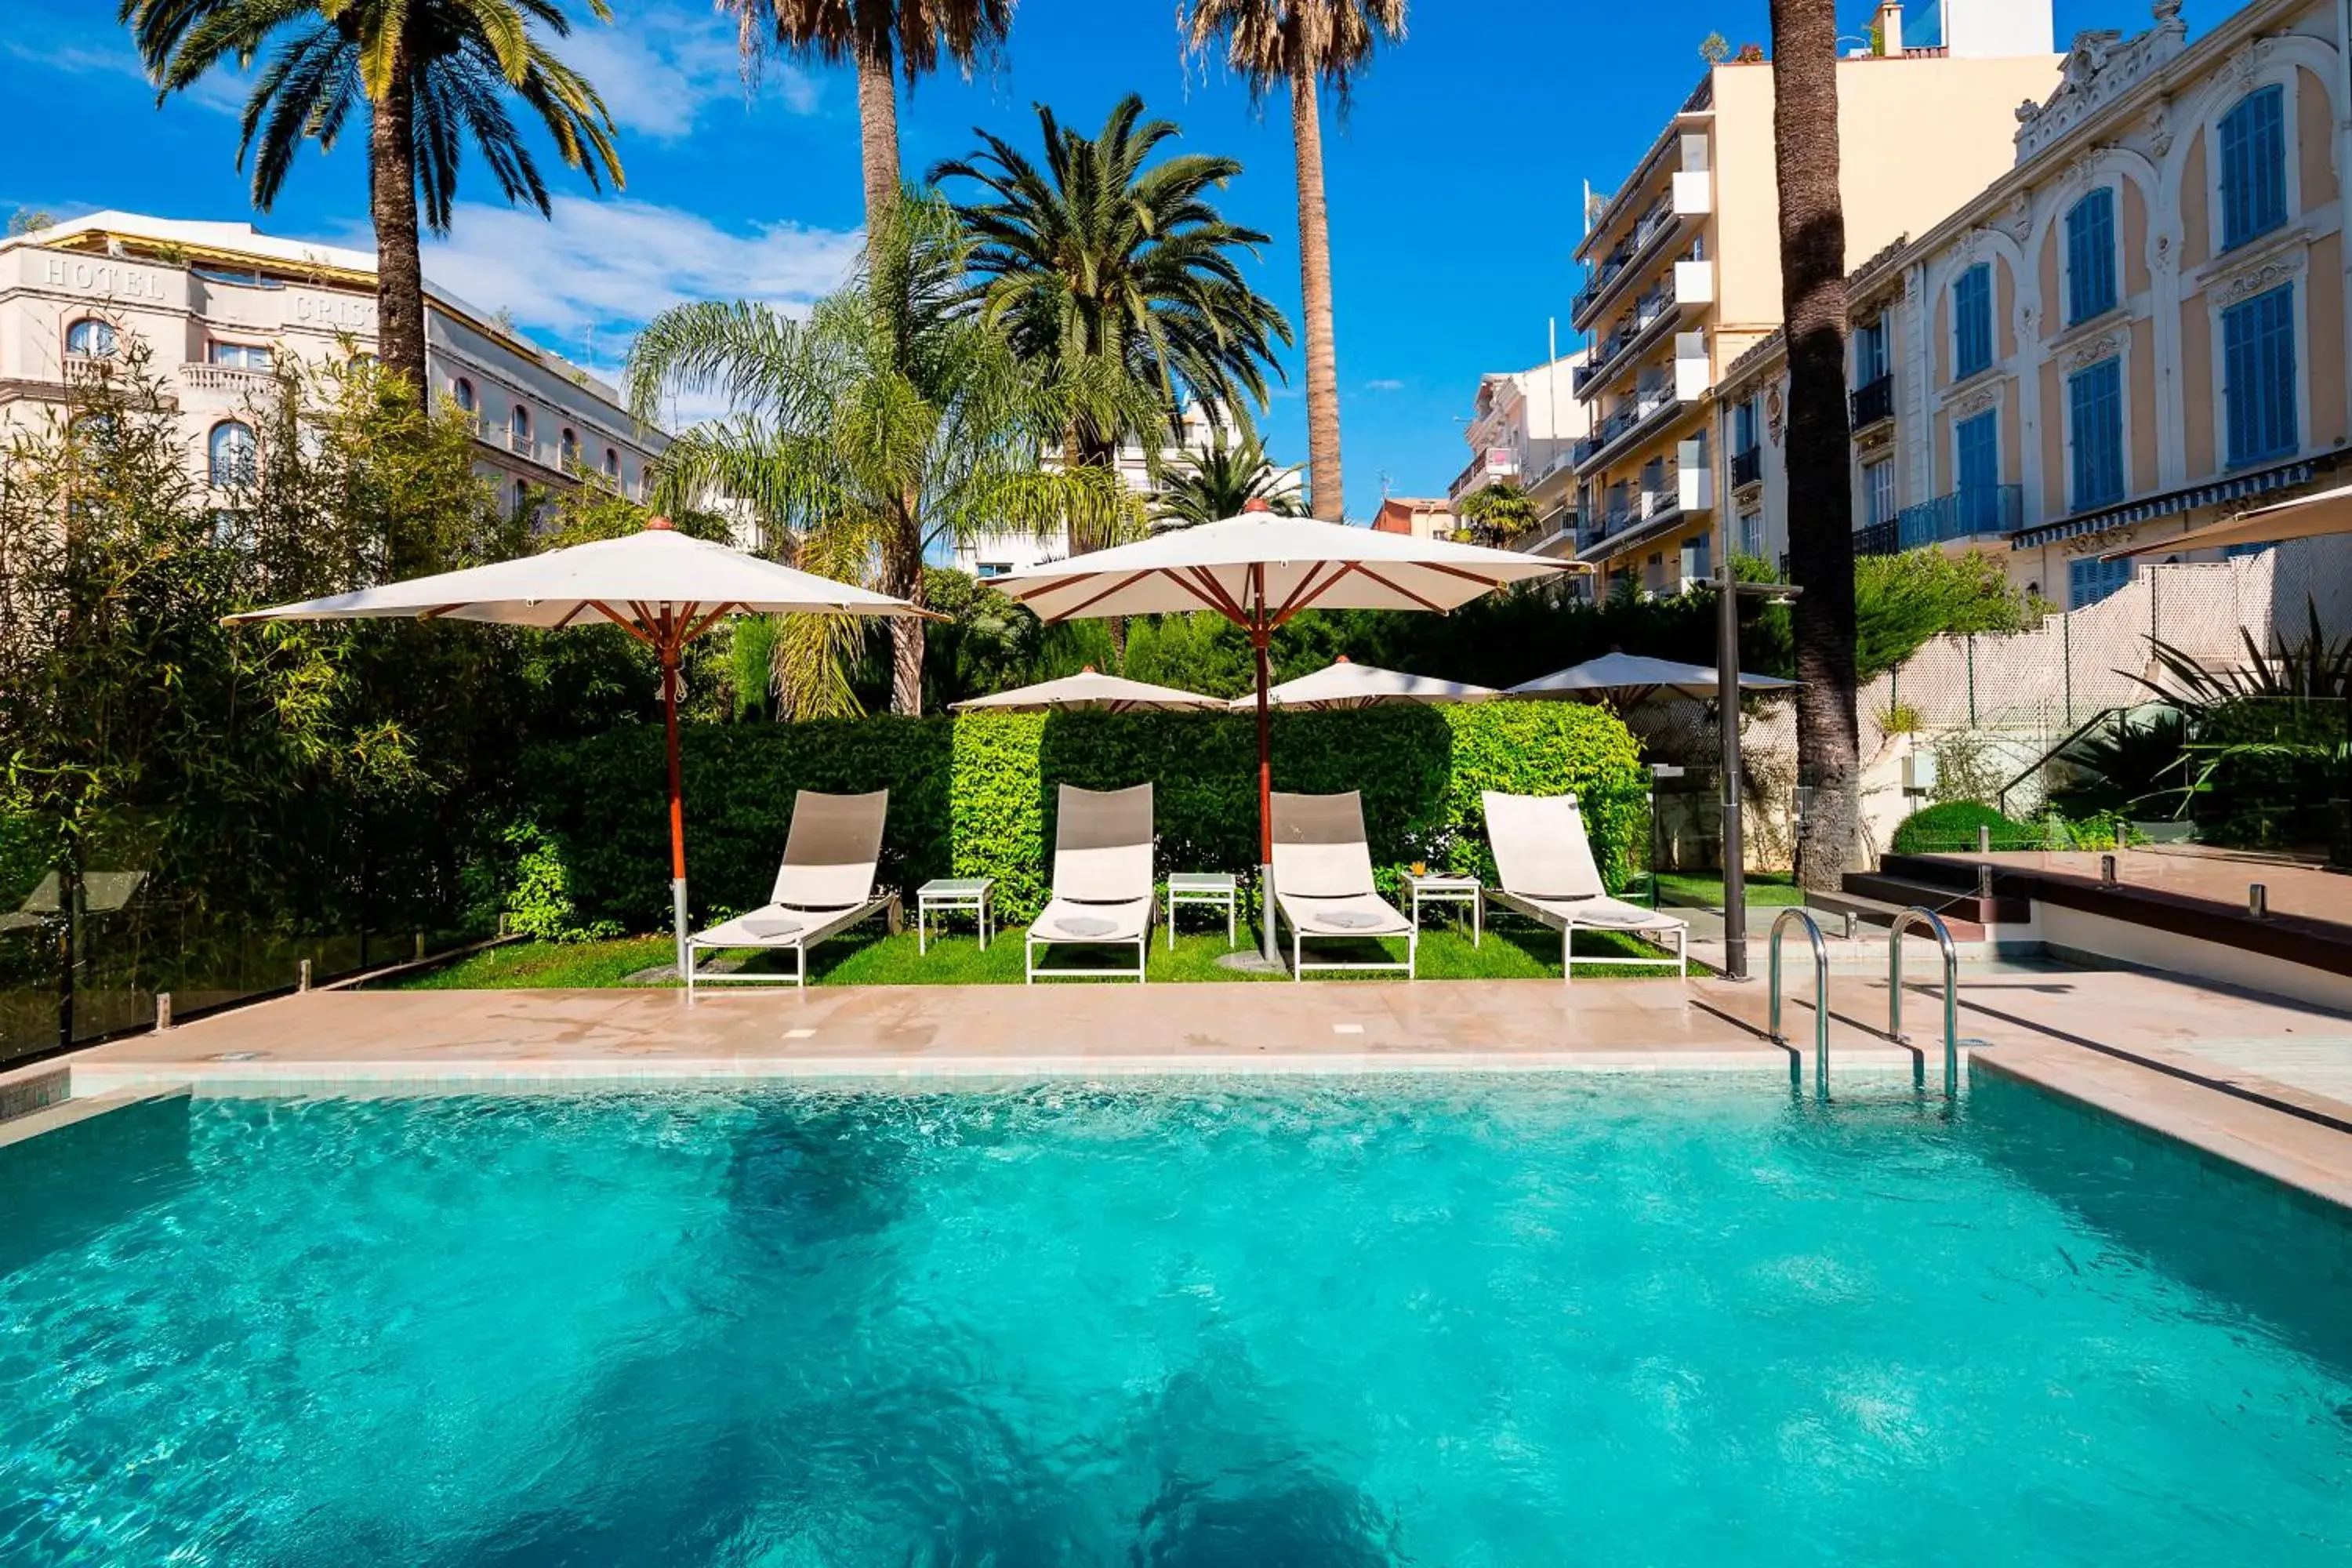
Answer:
(2091, 257)
(2254, 167)
(1972, 321)
(2095, 402)
(2258, 377)
(1979, 443)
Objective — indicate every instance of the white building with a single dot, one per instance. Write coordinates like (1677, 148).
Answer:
(1524, 427)
(995, 554)
(218, 304)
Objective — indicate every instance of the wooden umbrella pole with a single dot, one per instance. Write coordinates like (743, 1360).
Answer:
(1261, 633)
(669, 649)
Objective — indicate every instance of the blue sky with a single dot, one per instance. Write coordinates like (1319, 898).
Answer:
(1453, 185)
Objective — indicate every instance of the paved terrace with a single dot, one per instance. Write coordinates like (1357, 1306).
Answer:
(2264, 1083)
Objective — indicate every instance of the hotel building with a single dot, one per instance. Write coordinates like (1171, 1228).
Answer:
(219, 305)
(1523, 427)
(2130, 333)
(1683, 261)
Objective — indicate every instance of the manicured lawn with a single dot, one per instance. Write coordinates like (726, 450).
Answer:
(1515, 951)
(1704, 890)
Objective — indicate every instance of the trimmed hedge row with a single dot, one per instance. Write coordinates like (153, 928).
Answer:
(973, 796)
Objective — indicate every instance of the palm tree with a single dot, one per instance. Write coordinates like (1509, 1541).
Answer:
(893, 420)
(1820, 507)
(1204, 487)
(1496, 512)
(1120, 275)
(433, 75)
(1304, 45)
(877, 37)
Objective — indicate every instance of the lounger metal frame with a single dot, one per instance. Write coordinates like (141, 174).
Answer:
(1300, 939)
(1031, 941)
(835, 921)
(1569, 925)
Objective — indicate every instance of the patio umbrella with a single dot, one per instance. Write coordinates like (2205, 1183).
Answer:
(1639, 674)
(1257, 570)
(2306, 517)
(657, 584)
(1090, 689)
(1345, 684)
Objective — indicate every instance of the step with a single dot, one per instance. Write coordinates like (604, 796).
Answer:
(1952, 903)
(1880, 912)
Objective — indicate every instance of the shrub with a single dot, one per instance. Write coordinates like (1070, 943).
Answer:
(1953, 824)
(975, 796)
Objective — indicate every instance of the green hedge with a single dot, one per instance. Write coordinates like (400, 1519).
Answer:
(973, 796)
(1951, 829)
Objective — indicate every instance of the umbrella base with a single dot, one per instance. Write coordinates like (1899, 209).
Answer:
(678, 922)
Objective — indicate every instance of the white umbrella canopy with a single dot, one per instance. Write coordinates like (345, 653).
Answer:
(1258, 570)
(1090, 689)
(1616, 672)
(1346, 684)
(2306, 517)
(659, 585)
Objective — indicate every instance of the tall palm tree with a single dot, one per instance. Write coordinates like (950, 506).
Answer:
(433, 74)
(893, 420)
(1121, 276)
(1821, 505)
(1205, 487)
(1304, 45)
(877, 37)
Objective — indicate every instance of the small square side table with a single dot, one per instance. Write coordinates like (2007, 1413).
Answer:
(943, 895)
(1439, 889)
(1211, 888)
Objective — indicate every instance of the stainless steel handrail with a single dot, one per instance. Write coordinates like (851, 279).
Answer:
(1820, 994)
(1934, 922)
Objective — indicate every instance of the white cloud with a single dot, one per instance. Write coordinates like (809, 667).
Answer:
(611, 263)
(1385, 383)
(660, 69)
(223, 90)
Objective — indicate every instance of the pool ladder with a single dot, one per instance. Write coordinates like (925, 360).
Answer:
(1915, 915)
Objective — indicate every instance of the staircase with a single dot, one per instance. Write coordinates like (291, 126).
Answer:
(1902, 882)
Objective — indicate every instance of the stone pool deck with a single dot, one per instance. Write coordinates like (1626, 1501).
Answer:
(2263, 1083)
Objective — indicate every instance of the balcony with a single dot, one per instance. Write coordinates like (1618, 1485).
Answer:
(1962, 514)
(1654, 224)
(519, 441)
(1748, 468)
(1871, 402)
(228, 379)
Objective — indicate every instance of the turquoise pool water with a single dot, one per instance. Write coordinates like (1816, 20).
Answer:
(1642, 1320)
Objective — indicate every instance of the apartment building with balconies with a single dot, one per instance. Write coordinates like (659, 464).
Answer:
(1523, 427)
(219, 307)
(1682, 261)
(2136, 329)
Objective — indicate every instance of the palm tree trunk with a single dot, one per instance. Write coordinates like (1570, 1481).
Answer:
(877, 128)
(903, 575)
(1315, 296)
(1820, 504)
(391, 199)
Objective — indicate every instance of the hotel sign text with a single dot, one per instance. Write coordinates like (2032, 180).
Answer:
(98, 276)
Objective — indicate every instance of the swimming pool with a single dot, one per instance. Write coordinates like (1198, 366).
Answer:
(1644, 1319)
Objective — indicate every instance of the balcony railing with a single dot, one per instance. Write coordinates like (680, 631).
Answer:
(520, 441)
(1654, 223)
(1878, 539)
(1962, 514)
(1871, 402)
(1747, 467)
(228, 378)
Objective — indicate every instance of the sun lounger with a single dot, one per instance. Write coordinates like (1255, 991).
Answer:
(1545, 863)
(824, 886)
(1323, 880)
(1102, 879)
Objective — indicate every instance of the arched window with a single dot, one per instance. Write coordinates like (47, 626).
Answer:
(612, 464)
(233, 451)
(461, 393)
(518, 429)
(90, 338)
(569, 447)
